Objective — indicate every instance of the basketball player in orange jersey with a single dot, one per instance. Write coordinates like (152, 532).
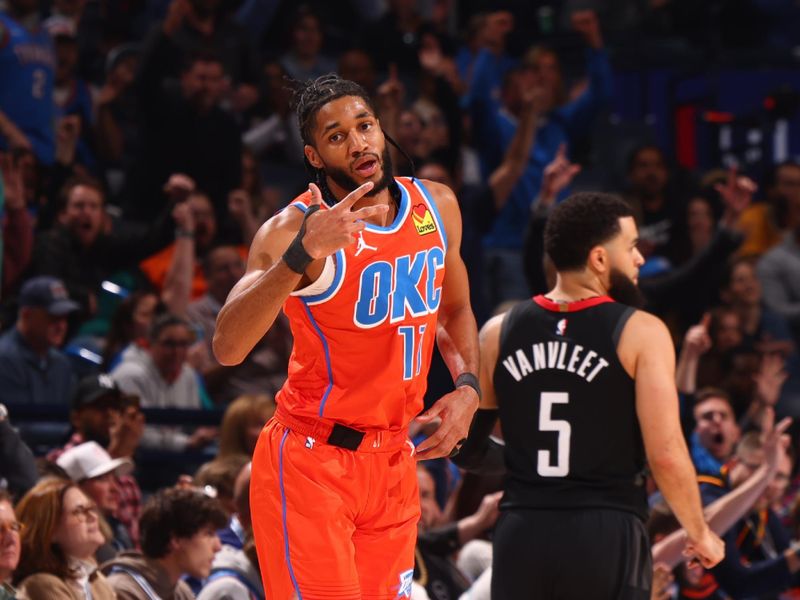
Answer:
(367, 268)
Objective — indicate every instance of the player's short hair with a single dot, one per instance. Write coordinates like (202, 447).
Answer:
(177, 514)
(310, 96)
(580, 223)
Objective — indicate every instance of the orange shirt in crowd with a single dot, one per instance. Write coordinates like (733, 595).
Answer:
(156, 267)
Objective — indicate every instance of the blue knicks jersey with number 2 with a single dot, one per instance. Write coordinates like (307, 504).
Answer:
(27, 67)
(364, 332)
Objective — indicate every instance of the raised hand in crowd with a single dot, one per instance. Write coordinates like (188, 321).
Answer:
(183, 217)
(117, 81)
(775, 440)
(737, 194)
(177, 289)
(13, 186)
(662, 582)
(179, 187)
(696, 343)
(68, 133)
(770, 378)
(586, 23)
(697, 340)
(240, 208)
(558, 174)
(125, 430)
(390, 94)
(434, 61)
(16, 139)
(177, 12)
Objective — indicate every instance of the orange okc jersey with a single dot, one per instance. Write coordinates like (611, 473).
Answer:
(364, 331)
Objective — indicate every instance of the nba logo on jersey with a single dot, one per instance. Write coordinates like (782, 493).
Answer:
(423, 219)
(406, 578)
(561, 327)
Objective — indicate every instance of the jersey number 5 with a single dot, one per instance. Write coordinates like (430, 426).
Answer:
(547, 423)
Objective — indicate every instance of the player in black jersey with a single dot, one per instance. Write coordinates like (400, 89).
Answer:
(584, 385)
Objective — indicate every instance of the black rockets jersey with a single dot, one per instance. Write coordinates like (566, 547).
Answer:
(568, 408)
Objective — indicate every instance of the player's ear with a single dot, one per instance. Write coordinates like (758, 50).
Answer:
(598, 259)
(312, 156)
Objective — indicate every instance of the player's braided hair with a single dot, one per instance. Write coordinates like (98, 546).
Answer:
(309, 97)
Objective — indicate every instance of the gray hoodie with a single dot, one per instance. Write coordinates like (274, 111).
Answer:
(121, 575)
(229, 587)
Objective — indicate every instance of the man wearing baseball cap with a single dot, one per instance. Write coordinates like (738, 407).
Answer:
(101, 413)
(95, 472)
(32, 369)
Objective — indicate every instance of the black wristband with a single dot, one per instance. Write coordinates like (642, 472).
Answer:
(296, 257)
(471, 380)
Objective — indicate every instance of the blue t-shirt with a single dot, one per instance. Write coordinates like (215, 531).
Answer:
(27, 72)
(494, 129)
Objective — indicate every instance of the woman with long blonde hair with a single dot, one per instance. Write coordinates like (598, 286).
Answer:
(242, 424)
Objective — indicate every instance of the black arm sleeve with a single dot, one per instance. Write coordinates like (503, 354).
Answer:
(481, 453)
(696, 274)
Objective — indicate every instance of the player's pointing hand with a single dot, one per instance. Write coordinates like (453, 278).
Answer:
(327, 231)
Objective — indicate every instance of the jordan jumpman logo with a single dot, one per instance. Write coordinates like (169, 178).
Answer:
(362, 245)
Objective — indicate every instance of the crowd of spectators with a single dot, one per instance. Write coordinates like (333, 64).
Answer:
(142, 145)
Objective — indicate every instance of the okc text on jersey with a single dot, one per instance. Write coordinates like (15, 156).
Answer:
(396, 291)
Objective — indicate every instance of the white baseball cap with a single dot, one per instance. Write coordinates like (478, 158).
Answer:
(90, 460)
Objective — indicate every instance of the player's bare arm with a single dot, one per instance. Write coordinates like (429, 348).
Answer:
(254, 302)
(489, 342)
(457, 337)
(647, 353)
(481, 453)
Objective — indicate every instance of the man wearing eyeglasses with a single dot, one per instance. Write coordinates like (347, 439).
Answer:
(9, 545)
(162, 378)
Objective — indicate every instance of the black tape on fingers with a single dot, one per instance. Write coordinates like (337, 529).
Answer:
(296, 257)
(457, 448)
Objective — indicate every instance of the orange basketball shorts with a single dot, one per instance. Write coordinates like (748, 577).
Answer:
(331, 523)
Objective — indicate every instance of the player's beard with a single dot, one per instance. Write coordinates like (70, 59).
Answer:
(343, 179)
(624, 290)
